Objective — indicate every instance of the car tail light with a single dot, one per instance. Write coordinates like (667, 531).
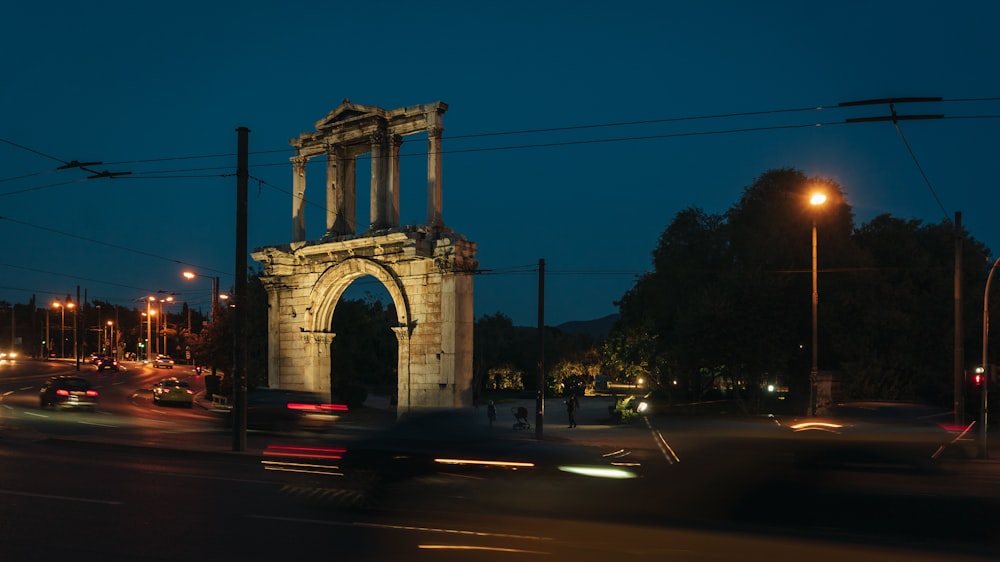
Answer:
(189, 391)
(303, 407)
(91, 393)
(62, 392)
(317, 407)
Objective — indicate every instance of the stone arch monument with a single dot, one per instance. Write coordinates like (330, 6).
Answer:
(427, 269)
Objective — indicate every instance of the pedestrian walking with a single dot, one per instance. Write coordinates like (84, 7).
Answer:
(491, 412)
(572, 405)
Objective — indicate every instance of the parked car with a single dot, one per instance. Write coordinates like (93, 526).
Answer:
(164, 361)
(173, 391)
(106, 363)
(68, 392)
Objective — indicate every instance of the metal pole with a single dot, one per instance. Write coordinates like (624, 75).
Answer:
(149, 329)
(62, 331)
(48, 340)
(958, 373)
(983, 407)
(814, 371)
(239, 316)
(540, 402)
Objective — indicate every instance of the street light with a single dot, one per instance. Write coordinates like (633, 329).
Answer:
(163, 322)
(149, 327)
(190, 275)
(984, 405)
(110, 337)
(62, 325)
(816, 200)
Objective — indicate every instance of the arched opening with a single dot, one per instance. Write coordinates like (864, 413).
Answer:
(364, 354)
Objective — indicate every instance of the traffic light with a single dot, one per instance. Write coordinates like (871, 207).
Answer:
(977, 380)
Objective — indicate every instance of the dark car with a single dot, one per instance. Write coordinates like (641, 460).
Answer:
(873, 433)
(68, 392)
(453, 451)
(106, 363)
(282, 410)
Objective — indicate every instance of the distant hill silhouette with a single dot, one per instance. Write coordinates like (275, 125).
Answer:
(599, 328)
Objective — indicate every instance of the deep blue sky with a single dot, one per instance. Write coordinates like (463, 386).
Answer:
(147, 87)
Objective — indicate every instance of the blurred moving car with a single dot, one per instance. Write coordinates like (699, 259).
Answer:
(68, 392)
(106, 363)
(173, 391)
(873, 433)
(283, 410)
(454, 450)
(8, 356)
(164, 361)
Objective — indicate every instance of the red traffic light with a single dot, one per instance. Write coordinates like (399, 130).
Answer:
(977, 380)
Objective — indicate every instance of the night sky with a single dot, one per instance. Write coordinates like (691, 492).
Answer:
(575, 131)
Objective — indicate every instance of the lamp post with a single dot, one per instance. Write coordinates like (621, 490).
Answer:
(163, 322)
(984, 405)
(189, 275)
(62, 325)
(149, 327)
(62, 328)
(48, 340)
(110, 338)
(816, 200)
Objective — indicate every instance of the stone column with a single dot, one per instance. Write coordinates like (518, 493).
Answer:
(273, 328)
(347, 166)
(403, 399)
(392, 194)
(378, 212)
(434, 192)
(299, 198)
(334, 191)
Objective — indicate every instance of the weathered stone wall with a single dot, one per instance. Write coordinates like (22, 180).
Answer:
(428, 275)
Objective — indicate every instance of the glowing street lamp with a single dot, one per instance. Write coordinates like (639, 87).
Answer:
(149, 327)
(62, 324)
(816, 201)
(190, 275)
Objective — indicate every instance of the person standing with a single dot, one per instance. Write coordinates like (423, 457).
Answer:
(491, 412)
(571, 407)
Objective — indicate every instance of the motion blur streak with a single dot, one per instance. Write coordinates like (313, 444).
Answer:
(599, 471)
(470, 547)
(820, 426)
(303, 452)
(401, 527)
(505, 464)
(301, 467)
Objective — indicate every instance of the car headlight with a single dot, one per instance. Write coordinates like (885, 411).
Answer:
(642, 407)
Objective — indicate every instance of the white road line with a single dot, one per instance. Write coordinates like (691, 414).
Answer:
(60, 498)
(401, 528)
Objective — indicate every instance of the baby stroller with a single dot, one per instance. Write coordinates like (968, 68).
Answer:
(521, 417)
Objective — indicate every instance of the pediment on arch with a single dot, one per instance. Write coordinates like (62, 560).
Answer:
(348, 111)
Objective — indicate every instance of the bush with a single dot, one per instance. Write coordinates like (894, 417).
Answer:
(623, 411)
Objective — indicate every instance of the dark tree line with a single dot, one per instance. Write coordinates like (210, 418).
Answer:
(726, 309)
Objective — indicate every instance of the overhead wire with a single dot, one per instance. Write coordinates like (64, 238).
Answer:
(165, 174)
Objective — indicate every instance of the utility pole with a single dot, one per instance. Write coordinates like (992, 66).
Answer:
(540, 401)
(239, 316)
(958, 367)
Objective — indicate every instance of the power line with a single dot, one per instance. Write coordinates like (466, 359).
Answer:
(110, 245)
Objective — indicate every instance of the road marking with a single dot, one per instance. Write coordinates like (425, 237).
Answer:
(401, 528)
(60, 498)
(97, 424)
